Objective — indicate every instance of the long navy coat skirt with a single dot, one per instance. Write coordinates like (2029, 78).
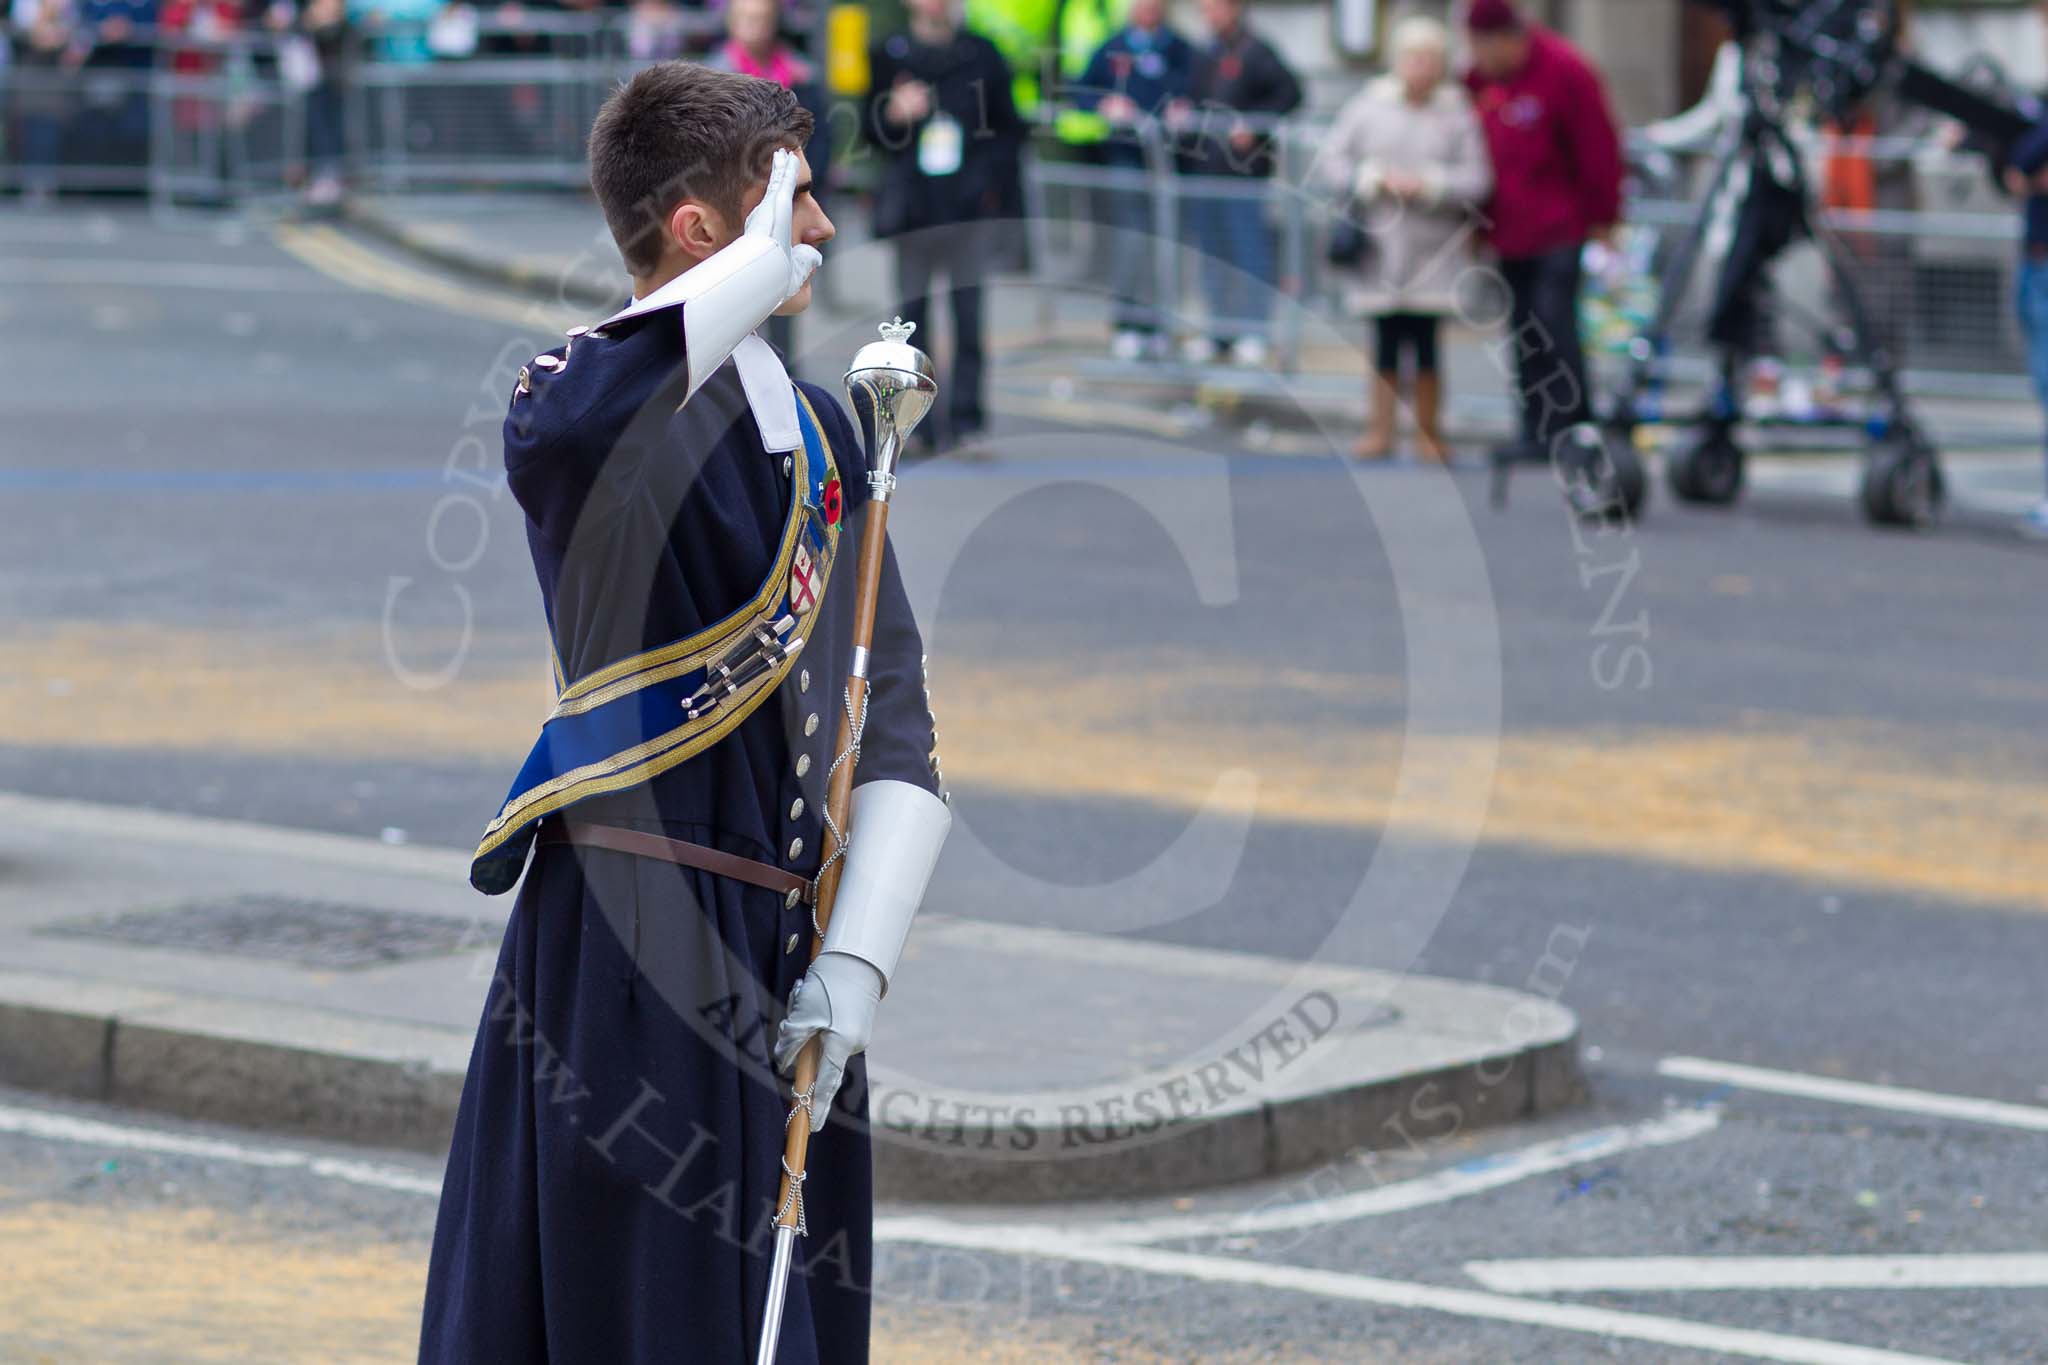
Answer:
(618, 1145)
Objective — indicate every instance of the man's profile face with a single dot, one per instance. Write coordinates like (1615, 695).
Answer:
(808, 224)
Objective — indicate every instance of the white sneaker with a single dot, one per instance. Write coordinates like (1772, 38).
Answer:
(1249, 352)
(1198, 350)
(1127, 345)
(2034, 524)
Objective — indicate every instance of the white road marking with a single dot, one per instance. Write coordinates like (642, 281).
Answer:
(1468, 1178)
(1329, 1284)
(1049, 1242)
(56, 1127)
(1860, 1093)
(1581, 1275)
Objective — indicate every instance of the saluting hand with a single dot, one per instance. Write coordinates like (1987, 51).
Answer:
(773, 216)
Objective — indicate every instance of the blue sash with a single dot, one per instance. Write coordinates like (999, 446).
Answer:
(633, 720)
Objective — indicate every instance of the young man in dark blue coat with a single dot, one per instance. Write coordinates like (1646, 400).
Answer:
(613, 1178)
(1135, 76)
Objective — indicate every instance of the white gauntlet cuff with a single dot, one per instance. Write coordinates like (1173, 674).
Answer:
(724, 297)
(898, 829)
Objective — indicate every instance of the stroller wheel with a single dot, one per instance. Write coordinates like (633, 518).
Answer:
(1707, 468)
(1902, 483)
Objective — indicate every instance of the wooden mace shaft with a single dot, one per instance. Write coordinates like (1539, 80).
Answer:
(839, 802)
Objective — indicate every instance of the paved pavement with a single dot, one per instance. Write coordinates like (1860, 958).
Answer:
(330, 985)
(1759, 788)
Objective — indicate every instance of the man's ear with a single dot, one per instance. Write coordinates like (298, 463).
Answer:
(697, 228)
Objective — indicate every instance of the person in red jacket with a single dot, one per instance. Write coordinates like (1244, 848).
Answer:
(1557, 182)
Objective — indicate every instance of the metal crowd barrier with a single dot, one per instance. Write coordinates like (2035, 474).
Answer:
(226, 120)
(218, 122)
(1075, 204)
(1938, 275)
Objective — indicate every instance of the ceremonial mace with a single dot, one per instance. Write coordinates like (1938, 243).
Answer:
(891, 387)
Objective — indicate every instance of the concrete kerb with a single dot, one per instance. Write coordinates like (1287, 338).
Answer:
(329, 1074)
(540, 278)
(317, 1073)
(1246, 1065)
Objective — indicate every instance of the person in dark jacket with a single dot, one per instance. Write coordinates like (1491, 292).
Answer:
(950, 139)
(1236, 75)
(1131, 79)
(1557, 170)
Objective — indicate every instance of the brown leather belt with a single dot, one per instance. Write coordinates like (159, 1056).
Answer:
(667, 850)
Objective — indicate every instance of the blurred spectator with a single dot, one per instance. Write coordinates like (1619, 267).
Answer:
(655, 31)
(754, 46)
(120, 37)
(1408, 153)
(47, 53)
(397, 29)
(2026, 176)
(1082, 27)
(949, 139)
(324, 25)
(1130, 79)
(196, 34)
(1557, 181)
(1236, 74)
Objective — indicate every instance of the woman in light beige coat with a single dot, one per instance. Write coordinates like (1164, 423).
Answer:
(1408, 154)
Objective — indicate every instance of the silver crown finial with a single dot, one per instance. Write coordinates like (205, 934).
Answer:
(896, 329)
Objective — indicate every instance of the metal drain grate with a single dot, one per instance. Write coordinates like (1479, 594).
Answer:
(307, 933)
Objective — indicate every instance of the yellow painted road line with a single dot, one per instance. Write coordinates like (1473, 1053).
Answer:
(1953, 815)
(341, 258)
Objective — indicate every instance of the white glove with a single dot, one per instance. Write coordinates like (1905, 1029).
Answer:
(773, 216)
(836, 998)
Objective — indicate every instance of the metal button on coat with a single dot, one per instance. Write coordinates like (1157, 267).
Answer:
(796, 808)
(796, 849)
(789, 464)
(803, 680)
(811, 724)
(790, 946)
(803, 764)
(789, 901)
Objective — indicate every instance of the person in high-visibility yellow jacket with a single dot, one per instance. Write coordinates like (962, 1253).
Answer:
(1021, 30)
(1025, 31)
(1083, 27)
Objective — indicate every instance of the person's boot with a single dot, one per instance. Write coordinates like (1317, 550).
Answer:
(1429, 402)
(1383, 396)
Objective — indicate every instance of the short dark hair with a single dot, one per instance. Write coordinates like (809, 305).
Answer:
(680, 131)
